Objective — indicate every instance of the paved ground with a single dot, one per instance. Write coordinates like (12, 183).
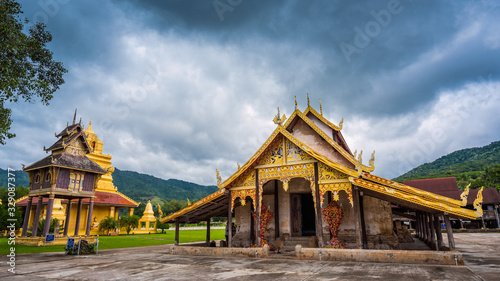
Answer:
(154, 263)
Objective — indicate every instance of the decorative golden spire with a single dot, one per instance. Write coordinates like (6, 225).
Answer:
(465, 195)
(239, 167)
(372, 162)
(74, 117)
(279, 120)
(296, 106)
(159, 211)
(189, 203)
(360, 157)
(320, 108)
(341, 123)
(219, 179)
(478, 203)
(308, 104)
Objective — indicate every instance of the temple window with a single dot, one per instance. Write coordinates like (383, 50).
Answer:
(37, 178)
(47, 177)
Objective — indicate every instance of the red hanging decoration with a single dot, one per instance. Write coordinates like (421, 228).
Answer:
(265, 218)
(333, 215)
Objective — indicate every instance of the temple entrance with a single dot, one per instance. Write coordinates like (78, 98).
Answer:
(303, 215)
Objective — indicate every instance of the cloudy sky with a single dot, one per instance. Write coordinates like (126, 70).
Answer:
(178, 88)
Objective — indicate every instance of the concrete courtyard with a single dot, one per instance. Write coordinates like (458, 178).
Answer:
(481, 252)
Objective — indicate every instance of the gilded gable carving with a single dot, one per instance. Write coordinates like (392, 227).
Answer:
(273, 154)
(247, 179)
(328, 173)
(295, 153)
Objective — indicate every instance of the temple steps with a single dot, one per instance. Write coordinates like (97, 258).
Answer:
(291, 242)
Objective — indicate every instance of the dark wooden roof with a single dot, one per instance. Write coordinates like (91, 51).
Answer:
(59, 143)
(77, 162)
(69, 129)
(443, 186)
(490, 196)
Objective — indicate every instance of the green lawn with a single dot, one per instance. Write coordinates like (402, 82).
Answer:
(124, 241)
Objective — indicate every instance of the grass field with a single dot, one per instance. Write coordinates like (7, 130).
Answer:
(124, 241)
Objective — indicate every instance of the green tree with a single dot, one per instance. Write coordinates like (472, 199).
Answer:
(162, 226)
(41, 225)
(108, 223)
(27, 70)
(129, 222)
(5, 213)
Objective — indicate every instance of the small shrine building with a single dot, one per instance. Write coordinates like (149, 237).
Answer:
(305, 183)
(75, 158)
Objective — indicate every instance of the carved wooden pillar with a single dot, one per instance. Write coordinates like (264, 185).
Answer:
(439, 235)
(78, 213)
(36, 219)
(27, 217)
(177, 232)
(426, 228)
(48, 216)
(449, 232)
(89, 216)
(208, 231)
(362, 215)
(68, 216)
(433, 231)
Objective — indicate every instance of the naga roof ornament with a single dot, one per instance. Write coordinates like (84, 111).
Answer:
(465, 195)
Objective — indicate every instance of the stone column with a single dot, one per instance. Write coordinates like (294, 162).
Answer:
(229, 222)
(276, 211)
(357, 217)
(112, 211)
(68, 216)
(48, 216)
(449, 231)
(89, 216)
(27, 217)
(257, 210)
(319, 221)
(117, 212)
(78, 213)
(37, 216)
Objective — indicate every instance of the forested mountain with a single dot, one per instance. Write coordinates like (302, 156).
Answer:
(479, 166)
(137, 186)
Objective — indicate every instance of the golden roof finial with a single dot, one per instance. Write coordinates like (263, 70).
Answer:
(465, 195)
(372, 162)
(189, 203)
(90, 121)
(296, 107)
(355, 153)
(279, 120)
(478, 203)
(341, 123)
(239, 167)
(219, 179)
(320, 108)
(308, 104)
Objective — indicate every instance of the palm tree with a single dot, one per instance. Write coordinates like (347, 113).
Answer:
(108, 223)
(129, 222)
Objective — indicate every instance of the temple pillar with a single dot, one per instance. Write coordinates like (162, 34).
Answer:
(257, 205)
(357, 217)
(78, 213)
(89, 216)
(112, 211)
(117, 212)
(362, 215)
(276, 211)
(433, 232)
(426, 228)
(177, 232)
(27, 217)
(130, 211)
(68, 216)
(449, 232)
(319, 221)
(37, 216)
(208, 232)
(417, 224)
(48, 216)
(439, 235)
(229, 223)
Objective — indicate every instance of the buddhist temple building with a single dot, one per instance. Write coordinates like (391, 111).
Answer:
(77, 171)
(305, 184)
(449, 187)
